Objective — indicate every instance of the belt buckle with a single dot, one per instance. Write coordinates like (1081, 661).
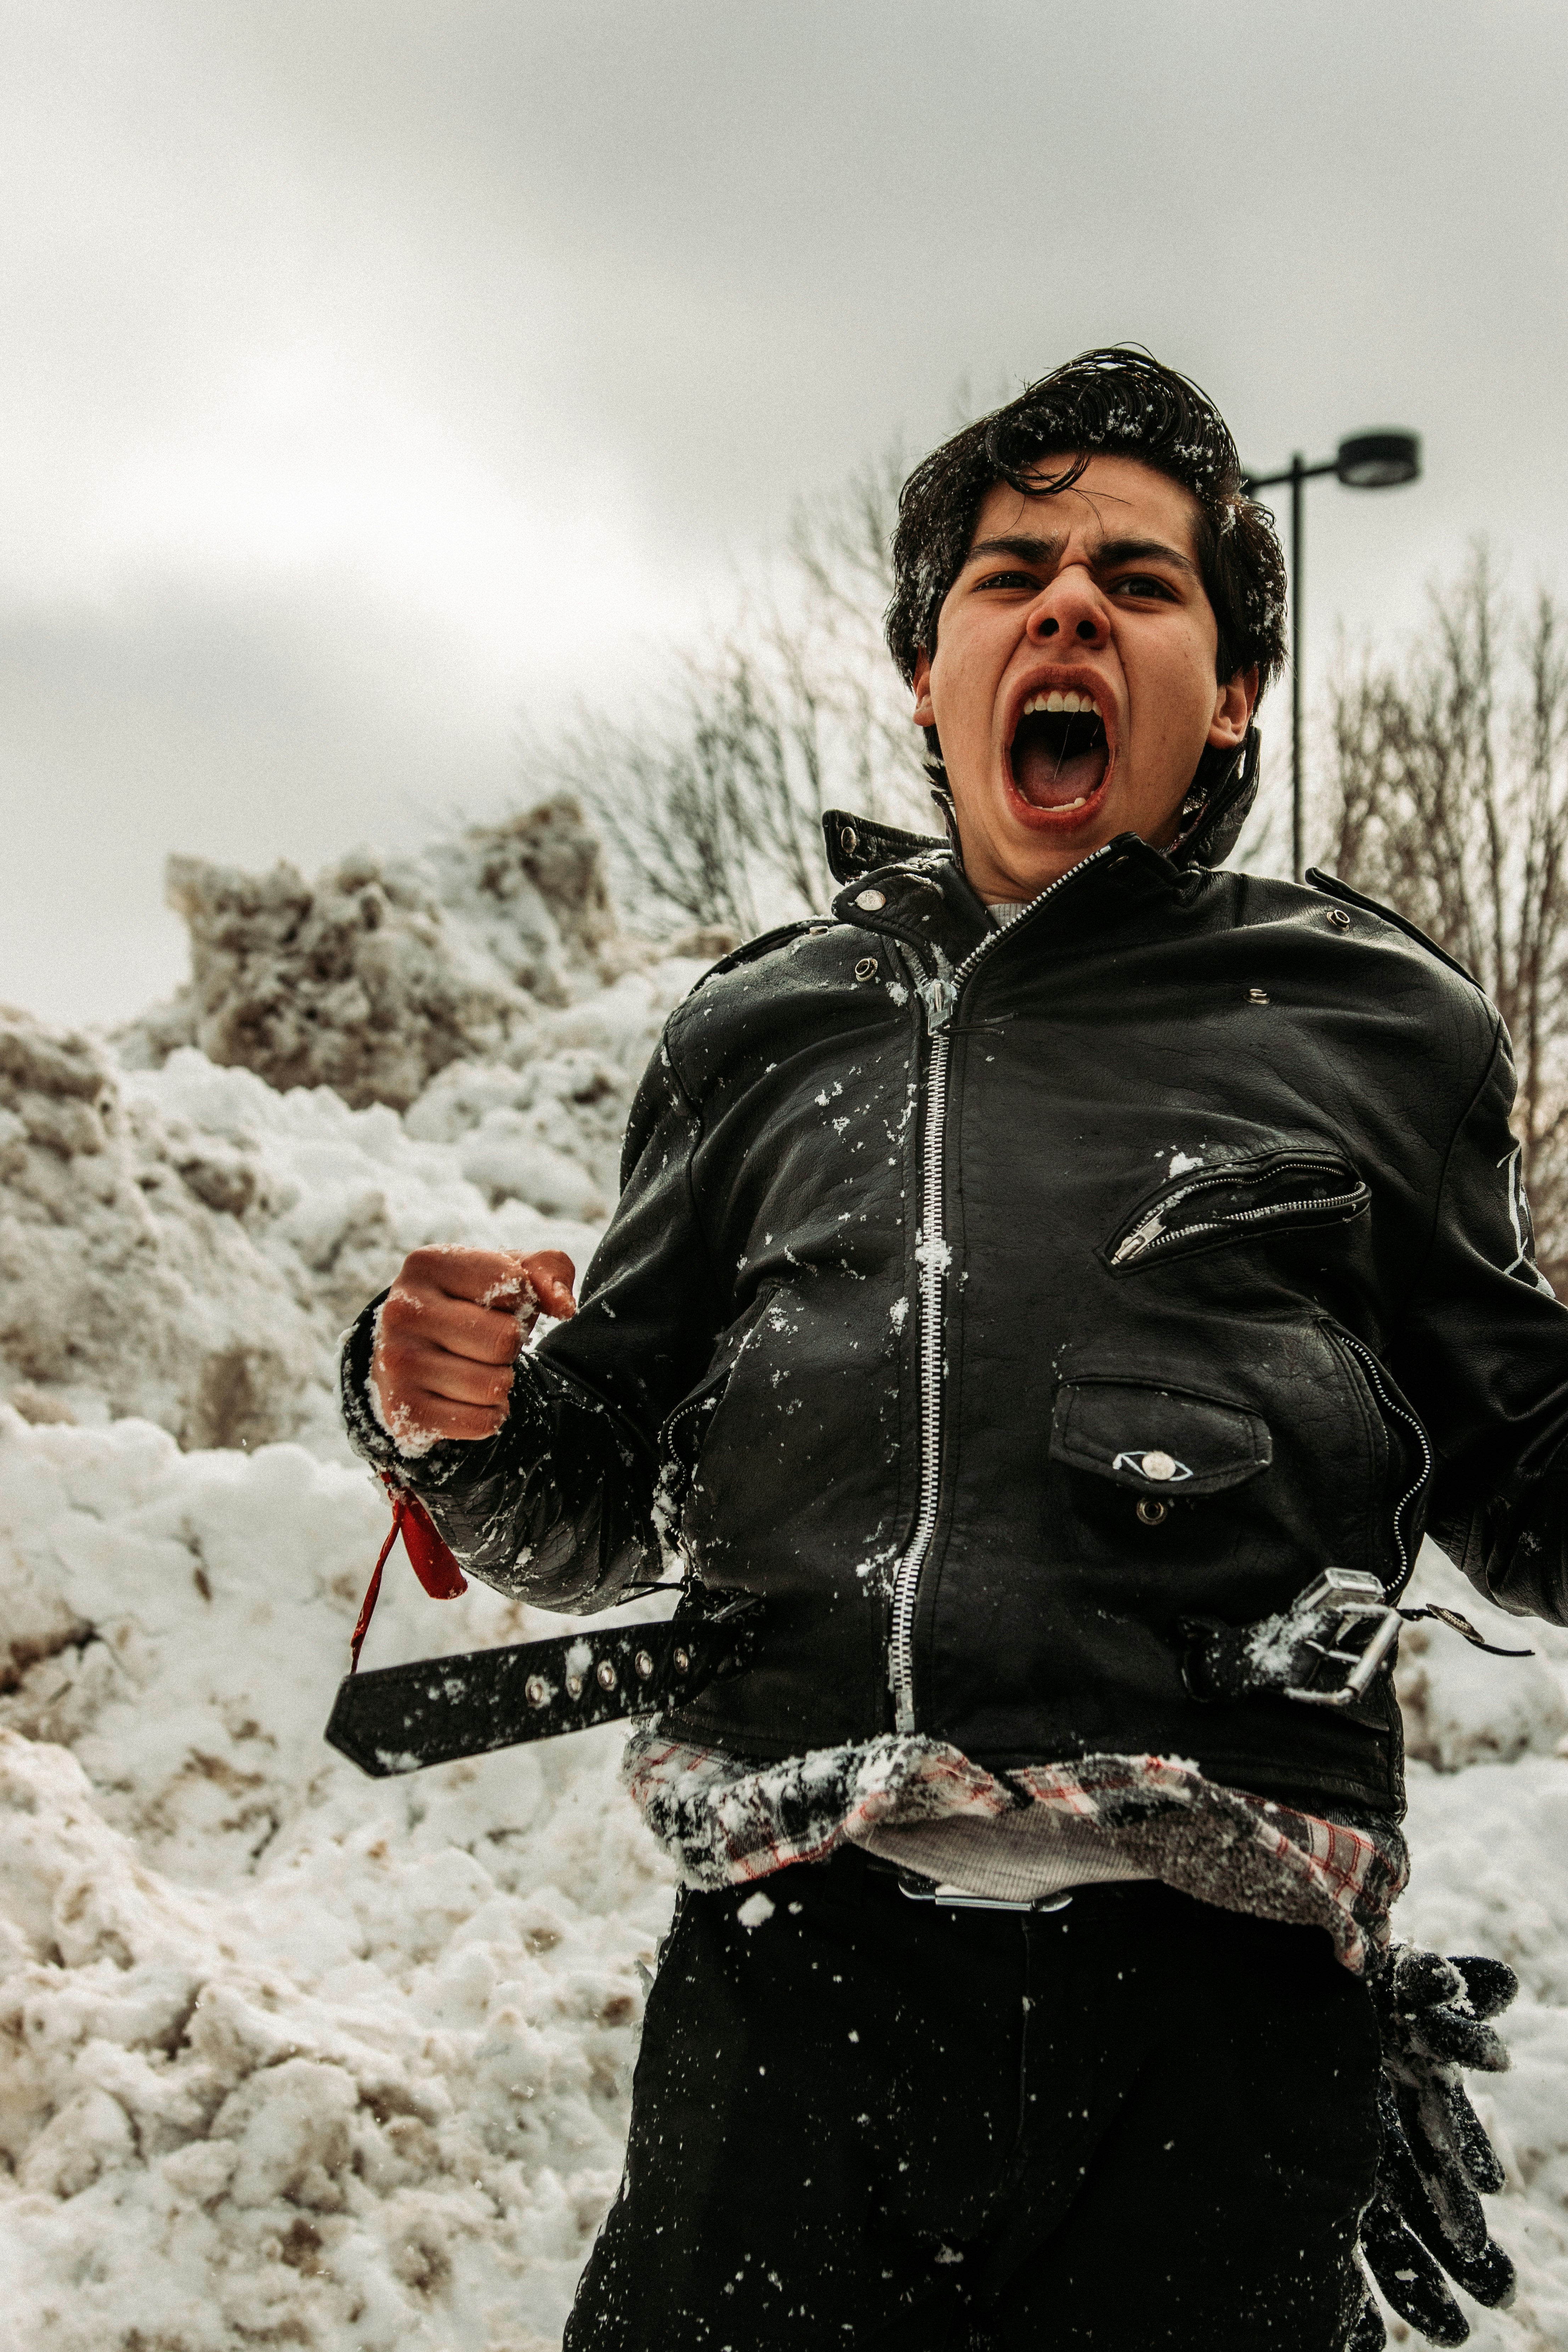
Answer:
(1361, 1628)
(959, 1898)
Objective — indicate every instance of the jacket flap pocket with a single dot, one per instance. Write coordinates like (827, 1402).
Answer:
(682, 1437)
(1157, 1440)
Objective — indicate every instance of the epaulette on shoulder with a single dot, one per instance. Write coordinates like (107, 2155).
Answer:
(854, 845)
(1334, 888)
(750, 950)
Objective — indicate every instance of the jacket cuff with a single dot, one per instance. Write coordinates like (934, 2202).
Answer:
(1526, 1564)
(448, 1461)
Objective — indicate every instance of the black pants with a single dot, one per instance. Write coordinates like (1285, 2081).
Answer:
(1138, 2122)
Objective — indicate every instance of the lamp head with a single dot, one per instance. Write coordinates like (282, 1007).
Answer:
(1378, 461)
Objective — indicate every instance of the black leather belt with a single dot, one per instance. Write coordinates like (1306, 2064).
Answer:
(395, 1719)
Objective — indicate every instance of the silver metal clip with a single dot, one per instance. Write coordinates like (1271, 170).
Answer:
(1324, 1650)
(1359, 1626)
(959, 1898)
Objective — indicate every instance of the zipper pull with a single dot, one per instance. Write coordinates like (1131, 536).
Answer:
(1140, 1238)
(938, 996)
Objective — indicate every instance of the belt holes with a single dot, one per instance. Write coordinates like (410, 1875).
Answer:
(866, 968)
(1152, 1514)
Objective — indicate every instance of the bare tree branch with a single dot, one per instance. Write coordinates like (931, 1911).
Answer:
(1449, 800)
(712, 813)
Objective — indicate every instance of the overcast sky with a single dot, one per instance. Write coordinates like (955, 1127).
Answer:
(375, 372)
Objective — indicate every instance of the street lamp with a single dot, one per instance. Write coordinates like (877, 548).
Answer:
(1367, 461)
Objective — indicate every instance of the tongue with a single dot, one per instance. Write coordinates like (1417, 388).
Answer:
(1049, 777)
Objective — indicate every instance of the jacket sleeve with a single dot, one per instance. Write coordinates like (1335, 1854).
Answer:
(558, 1507)
(1482, 1355)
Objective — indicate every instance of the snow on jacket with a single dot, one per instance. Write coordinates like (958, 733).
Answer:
(999, 1304)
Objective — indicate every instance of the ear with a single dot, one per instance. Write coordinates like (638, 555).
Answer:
(1233, 707)
(924, 715)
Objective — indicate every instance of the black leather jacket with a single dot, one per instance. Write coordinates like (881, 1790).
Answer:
(996, 1302)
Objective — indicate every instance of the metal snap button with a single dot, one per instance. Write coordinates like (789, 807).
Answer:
(536, 1690)
(1159, 1466)
(605, 1675)
(1257, 996)
(848, 838)
(574, 1685)
(1153, 1514)
(1340, 919)
(871, 900)
(644, 1665)
(866, 968)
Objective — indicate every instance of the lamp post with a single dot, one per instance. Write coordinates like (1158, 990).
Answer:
(1367, 461)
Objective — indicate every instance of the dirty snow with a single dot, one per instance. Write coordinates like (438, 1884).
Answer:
(186, 1242)
(295, 2057)
(291, 2055)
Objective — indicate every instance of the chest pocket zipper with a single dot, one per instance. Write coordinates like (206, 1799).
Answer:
(1287, 1190)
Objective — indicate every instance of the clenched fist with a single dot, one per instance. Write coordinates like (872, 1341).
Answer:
(448, 1332)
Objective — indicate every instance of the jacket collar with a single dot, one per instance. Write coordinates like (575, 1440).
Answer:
(926, 899)
(922, 898)
(856, 843)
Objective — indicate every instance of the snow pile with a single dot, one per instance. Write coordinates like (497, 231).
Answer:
(383, 969)
(289, 2056)
(295, 2056)
(549, 1132)
(128, 1279)
(187, 1244)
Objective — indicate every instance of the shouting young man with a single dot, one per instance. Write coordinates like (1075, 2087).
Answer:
(1026, 1284)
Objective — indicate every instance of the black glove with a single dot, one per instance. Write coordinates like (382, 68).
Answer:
(1425, 2214)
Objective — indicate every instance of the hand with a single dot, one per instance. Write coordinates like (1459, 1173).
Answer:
(1426, 2217)
(449, 1333)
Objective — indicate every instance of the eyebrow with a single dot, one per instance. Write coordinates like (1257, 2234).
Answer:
(1107, 555)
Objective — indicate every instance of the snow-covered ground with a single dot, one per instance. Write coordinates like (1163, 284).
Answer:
(291, 2057)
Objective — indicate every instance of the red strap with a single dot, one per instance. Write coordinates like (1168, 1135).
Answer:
(432, 1561)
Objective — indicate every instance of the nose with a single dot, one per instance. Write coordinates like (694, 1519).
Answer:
(1070, 607)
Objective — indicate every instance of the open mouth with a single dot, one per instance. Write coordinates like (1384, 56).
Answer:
(1059, 755)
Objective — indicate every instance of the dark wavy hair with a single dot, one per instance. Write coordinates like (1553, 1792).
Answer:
(1116, 401)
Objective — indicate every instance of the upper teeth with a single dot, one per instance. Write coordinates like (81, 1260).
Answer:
(1057, 701)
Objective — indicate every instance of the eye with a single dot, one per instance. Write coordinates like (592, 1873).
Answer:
(1144, 583)
(1007, 579)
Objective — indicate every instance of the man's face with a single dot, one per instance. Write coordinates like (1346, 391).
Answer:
(1073, 685)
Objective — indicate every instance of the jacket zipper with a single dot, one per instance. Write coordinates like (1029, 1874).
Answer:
(1154, 1233)
(939, 995)
(1373, 1371)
